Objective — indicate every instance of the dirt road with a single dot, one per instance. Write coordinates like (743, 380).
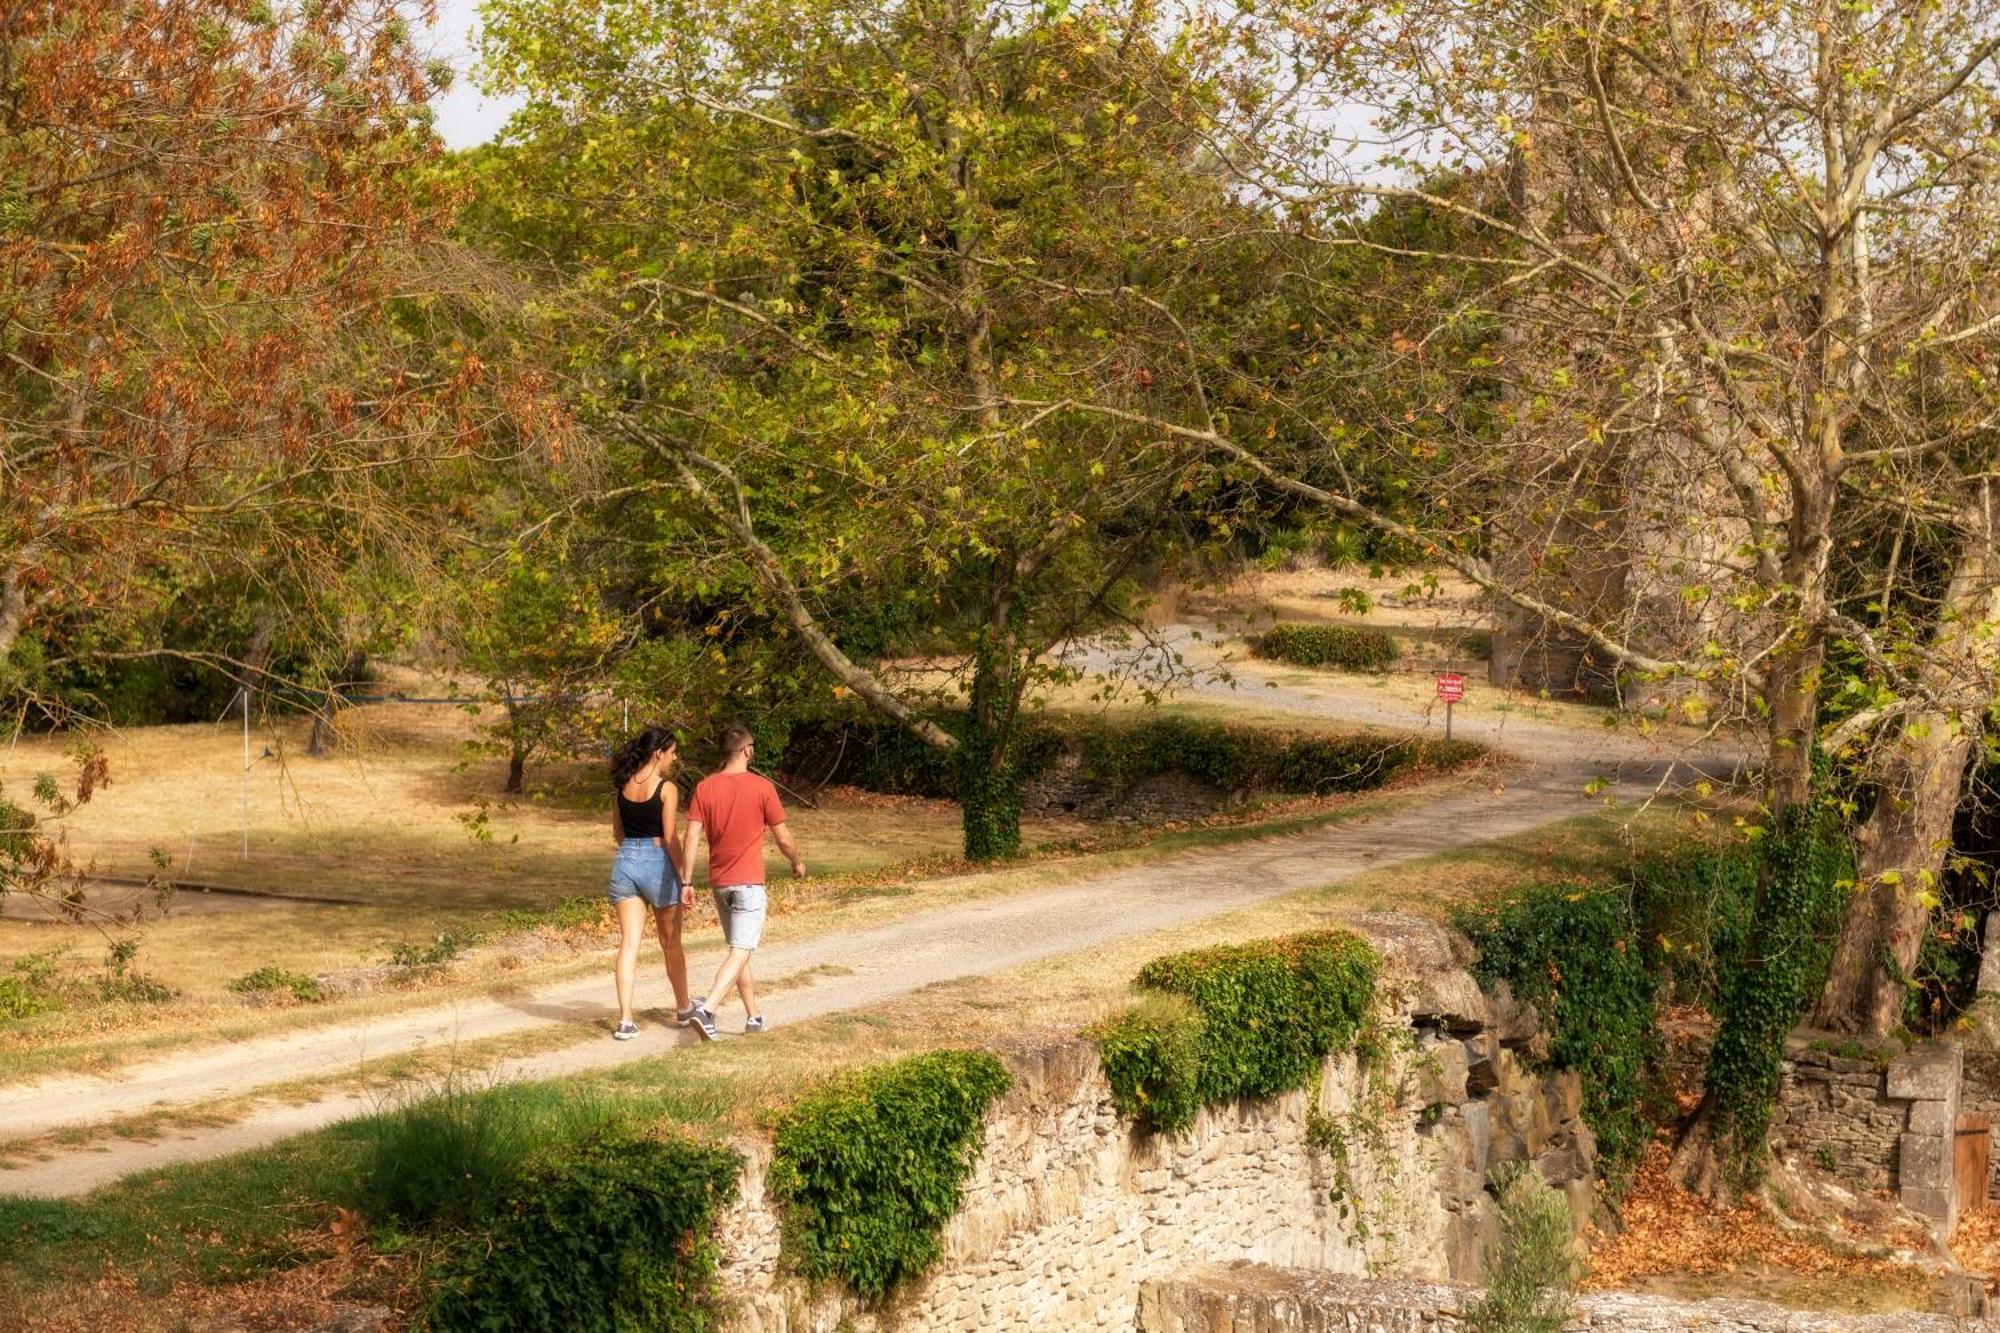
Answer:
(831, 973)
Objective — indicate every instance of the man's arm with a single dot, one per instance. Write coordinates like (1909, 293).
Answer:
(782, 831)
(689, 844)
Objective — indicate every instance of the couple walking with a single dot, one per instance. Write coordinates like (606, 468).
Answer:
(731, 808)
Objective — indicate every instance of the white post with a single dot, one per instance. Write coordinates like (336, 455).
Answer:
(246, 772)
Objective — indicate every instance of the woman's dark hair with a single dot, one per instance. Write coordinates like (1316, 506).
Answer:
(636, 753)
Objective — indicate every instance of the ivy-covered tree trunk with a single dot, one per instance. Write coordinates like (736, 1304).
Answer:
(1801, 891)
(989, 785)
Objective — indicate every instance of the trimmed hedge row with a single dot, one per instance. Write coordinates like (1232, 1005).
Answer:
(1239, 1021)
(1342, 647)
(868, 1169)
(1226, 756)
(611, 1235)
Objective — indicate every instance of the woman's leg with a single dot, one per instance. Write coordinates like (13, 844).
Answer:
(667, 920)
(631, 929)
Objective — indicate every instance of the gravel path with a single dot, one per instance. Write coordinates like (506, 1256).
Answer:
(832, 973)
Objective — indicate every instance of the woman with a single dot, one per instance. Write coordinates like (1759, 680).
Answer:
(647, 871)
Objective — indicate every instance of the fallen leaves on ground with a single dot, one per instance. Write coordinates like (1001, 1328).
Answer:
(307, 1296)
(1669, 1231)
(1977, 1241)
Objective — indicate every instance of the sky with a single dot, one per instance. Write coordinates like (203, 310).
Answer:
(465, 116)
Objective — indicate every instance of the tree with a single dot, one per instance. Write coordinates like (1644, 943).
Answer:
(543, 643)
(194, 196)
(1759, 262)
(858, 256)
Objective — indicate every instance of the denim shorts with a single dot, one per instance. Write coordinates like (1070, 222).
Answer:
(643, 869)
(741, 908)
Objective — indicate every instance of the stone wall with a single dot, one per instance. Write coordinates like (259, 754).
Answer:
(1259, 1299)
(1882, 1125)
(1066, 788)
(1381, 1167)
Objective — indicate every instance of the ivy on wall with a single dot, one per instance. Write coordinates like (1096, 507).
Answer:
(1246, 1020)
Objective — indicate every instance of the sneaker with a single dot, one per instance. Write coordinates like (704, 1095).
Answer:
(625, 1031)
(752, 1026)
(704, 1022)
(683, 1017)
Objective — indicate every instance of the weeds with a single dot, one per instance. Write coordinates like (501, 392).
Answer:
(270, 980)
(1534, 1278)
(52, 982)
(440, 952)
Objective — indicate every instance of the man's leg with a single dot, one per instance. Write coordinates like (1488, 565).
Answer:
(668, 922)
(747, 989)
(726, 976)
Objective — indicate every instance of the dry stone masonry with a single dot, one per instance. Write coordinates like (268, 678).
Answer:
(1882, 1125)
(1379, 1168)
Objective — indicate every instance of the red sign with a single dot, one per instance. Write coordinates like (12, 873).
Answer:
(1451, 686)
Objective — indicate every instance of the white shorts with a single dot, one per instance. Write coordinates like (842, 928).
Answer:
(741, 908)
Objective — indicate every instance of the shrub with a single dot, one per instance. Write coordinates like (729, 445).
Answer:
(868, 1169)
(1805, 880)
(1343, 647)
(1227, 758)
(1267, 1014)
(269, 980)
(610, 1235)
(1576, 955)
(1535, 1274)
(1152, 1055)
(1124, 752)
(1323, 765)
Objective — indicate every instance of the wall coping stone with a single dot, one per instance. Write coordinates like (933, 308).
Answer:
(1222, 1298)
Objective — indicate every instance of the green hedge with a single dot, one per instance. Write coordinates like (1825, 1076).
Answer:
(1259, 1019)
(1229, 757)
(1152, 1056)
(612, 1235)
(868, 1169)
(1343, 647)
(1578, 956)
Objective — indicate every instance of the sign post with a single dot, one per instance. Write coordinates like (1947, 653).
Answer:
(1450, 688)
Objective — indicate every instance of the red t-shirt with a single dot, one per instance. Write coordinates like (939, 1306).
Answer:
(733, 810)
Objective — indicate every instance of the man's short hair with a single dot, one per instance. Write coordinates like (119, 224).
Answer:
(735, 739)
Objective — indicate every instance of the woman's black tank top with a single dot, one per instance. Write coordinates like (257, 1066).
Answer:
(643, 819)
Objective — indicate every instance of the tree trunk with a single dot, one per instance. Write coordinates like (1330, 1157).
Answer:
(989, 786)
(1903, 845)
(1921, 778)
(325, 717)
(257, 656)
(517, 767)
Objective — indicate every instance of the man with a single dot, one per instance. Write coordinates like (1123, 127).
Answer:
(733, 808)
